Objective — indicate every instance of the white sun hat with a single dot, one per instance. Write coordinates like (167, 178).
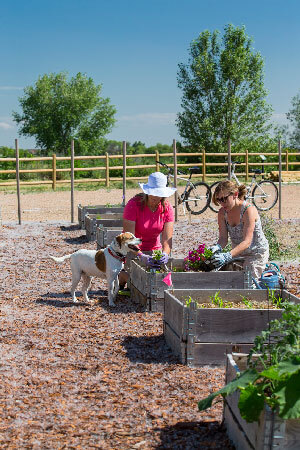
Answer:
(157, 185)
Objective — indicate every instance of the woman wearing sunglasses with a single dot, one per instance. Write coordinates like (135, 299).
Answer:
(240, 220)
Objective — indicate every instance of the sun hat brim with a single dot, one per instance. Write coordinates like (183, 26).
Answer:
(157, 192)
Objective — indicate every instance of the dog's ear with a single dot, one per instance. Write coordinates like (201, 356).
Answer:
(119, 240)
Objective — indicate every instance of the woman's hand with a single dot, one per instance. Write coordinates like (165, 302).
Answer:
(164, 259)
(215, 248)
(219, 259)
(147, 260)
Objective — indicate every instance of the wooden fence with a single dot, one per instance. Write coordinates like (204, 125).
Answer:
(102, 164)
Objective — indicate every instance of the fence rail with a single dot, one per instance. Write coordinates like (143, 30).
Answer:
(106, 168)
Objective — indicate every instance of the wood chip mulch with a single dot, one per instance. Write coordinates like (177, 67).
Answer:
(86, 375)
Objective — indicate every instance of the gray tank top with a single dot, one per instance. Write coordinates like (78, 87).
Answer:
(259, 242)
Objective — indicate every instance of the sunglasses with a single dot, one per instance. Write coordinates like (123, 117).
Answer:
(223, 199)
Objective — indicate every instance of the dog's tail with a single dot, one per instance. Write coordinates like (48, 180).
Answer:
(61, 259)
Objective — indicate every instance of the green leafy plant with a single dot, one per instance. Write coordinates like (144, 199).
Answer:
(216, 300)
(157, 255)
(277, 301)
(273, 373)
(188, 301)
(247, 302)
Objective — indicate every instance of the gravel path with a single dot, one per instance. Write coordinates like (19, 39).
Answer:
(84, 375)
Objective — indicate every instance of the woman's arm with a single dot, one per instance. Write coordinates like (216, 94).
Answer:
(166, 237)
(129, 226)
(248, 219)
(223, 233)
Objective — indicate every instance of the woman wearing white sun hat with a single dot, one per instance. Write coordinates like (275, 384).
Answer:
(150, 217)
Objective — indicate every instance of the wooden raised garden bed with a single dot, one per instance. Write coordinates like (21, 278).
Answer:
(147, 288)
(98, 209)
(203, 336)
(104, 235)
(92, 221)
(269, 433)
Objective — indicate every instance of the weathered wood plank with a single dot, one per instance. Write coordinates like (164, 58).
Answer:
(290, 297)
(214, 354)
(97, 209)
(174, 315)
(174, 342)
(232, 325)
(104, 236)
(106, 220)
(137, 297)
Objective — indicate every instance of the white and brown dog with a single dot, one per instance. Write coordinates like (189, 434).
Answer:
(106, 263)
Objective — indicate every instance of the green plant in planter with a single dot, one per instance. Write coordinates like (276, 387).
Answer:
(216, 300)
(247, 302)
(277, 381)
(157, 255)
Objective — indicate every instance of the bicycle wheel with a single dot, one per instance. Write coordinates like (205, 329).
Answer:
(211, 205)
(197, 198)
(265, 195)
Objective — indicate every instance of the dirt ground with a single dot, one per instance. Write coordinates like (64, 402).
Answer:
(86, 375)
(56, 206)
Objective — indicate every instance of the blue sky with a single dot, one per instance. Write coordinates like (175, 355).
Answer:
(133, 48)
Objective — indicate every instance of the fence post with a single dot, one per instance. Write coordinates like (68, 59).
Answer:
(107, 170)
(229, 159)
(54, 171)
(72, 181)
(18, 180)
(203, 165)
(247, 164)
(157, 159)
(279, 177)
(124, 173)
(287, 160)
(175, 179)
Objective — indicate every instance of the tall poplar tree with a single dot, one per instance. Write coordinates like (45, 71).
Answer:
(223, 91)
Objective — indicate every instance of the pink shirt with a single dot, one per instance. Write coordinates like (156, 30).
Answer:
(148, 224)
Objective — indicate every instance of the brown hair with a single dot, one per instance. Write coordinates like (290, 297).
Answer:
(143, 199)
(229, 187)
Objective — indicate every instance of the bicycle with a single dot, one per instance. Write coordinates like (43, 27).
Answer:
(195, 196)
(264, 194)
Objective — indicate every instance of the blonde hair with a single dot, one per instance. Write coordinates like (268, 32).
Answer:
(143, 199)
(229, 187)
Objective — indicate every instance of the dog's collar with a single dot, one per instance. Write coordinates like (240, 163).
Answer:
(118, 256)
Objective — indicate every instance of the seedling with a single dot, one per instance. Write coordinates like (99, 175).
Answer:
(216, 300)
(274, 300)
(247, 302)
(188, 301)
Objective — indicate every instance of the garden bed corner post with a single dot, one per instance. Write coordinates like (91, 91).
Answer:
(124, 173)
(190, 349)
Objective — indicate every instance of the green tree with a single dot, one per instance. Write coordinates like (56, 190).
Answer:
(294, 117)
(223, 91)
(56, 110)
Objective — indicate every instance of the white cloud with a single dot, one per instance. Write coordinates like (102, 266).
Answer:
(10, 88)
(150, 118)
(5, 126)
